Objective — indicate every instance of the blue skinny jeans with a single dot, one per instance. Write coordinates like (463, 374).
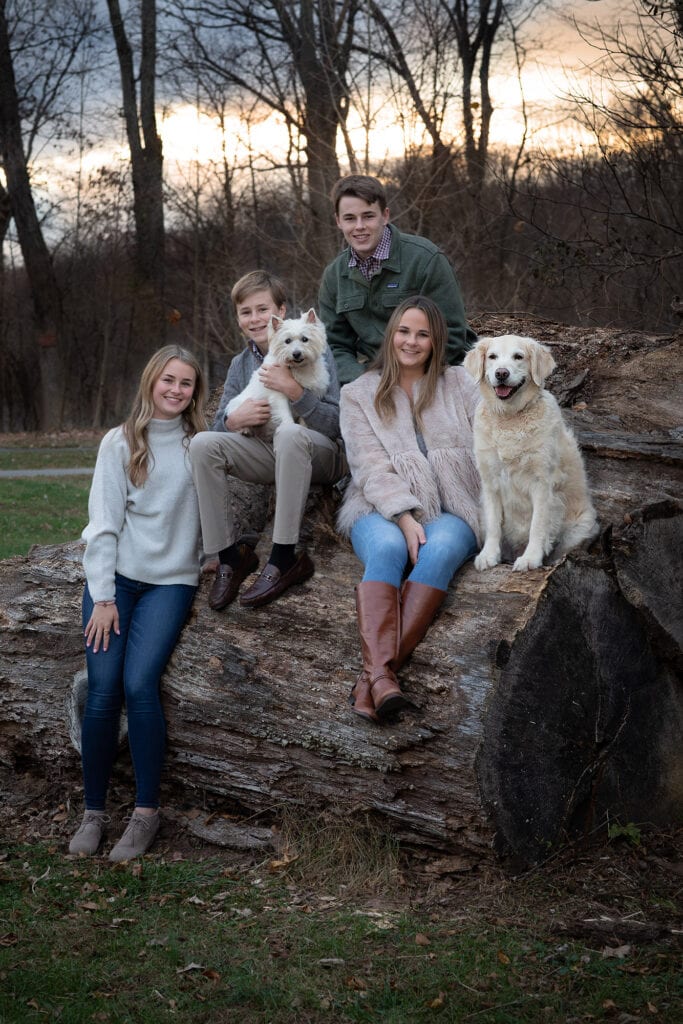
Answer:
(151, 617)
(381, 547)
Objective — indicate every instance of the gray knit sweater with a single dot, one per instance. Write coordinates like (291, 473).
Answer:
(148, 533)
(390, 474)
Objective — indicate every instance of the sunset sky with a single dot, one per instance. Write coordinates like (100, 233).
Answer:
(192, 138)
(546, 78)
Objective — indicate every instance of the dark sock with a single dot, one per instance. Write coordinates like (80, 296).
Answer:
(283, 556)
(230, 556)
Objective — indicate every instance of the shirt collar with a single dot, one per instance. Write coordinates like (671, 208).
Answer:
(255, 350)
(371, 264)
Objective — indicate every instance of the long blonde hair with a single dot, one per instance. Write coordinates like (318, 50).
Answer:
(390, 370)
(135, 427)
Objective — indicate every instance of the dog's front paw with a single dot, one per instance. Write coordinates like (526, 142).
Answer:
(487, 558)
(526, 562)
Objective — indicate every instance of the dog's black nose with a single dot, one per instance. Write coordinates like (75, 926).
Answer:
(297, 356)
(502, 375)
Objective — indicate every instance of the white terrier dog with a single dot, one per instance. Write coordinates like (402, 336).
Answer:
(299, 344)
(534, 490)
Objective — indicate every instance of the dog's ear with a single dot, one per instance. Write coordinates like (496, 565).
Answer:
(541, 362)
(273, 324)
(311, 317)
(475, 360)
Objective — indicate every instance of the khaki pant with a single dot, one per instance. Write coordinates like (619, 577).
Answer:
(294, 459)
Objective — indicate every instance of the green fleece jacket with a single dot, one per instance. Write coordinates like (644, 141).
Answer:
(355, 311)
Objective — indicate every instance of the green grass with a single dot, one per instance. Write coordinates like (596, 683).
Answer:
(44, 510)
(41, 511)
(40, 458)
(193, 941)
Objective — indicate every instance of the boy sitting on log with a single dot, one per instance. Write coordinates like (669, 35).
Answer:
(296, 456)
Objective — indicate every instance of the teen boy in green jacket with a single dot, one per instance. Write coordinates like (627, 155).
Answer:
(380, 268)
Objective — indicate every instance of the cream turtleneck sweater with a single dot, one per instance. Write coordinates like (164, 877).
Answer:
(148, 533)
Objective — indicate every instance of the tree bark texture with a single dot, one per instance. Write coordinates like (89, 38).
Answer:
(545, 703)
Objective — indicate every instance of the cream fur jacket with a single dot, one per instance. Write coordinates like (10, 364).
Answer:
(389, 473)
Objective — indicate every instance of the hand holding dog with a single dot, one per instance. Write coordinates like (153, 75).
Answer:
(413, 533)
(251, 413)
(279, 378)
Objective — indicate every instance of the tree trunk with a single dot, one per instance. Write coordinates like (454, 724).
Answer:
(320, 48)
(146, 158)
(45, 294)
(321, 125)
(475, 42)
(545, 703)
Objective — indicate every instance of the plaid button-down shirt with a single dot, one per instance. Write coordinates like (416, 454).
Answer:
(373, 263)
(255, 349)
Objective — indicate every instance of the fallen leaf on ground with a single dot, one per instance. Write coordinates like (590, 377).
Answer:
(283, 862)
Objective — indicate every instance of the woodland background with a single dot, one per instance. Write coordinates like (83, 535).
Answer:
(104, 261)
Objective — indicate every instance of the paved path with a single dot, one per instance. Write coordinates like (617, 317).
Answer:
(16, 473)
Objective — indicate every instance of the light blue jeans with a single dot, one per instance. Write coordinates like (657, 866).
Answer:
(381, 547)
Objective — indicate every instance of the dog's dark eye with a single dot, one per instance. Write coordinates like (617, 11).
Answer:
(304, 338)
(493, 355)
(518, 355)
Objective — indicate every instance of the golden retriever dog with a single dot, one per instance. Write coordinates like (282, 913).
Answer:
(534, 491)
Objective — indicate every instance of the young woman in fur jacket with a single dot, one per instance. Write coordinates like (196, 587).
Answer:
(411, 508)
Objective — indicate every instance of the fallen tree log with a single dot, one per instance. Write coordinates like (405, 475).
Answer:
(545, 703)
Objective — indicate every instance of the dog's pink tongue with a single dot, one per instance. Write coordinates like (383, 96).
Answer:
(503, 391)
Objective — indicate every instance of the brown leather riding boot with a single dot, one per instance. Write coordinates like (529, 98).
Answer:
(419, 605)
(361, 701)
(378, 610)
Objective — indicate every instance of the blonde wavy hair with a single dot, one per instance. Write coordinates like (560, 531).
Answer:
(135, 427)
(390, 370)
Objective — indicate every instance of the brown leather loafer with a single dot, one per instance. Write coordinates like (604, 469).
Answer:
(227, 582)
(271, 583)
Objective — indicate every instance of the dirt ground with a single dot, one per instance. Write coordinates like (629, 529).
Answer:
(608, 894)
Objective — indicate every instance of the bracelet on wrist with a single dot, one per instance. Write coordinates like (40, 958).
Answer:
(104, 604)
